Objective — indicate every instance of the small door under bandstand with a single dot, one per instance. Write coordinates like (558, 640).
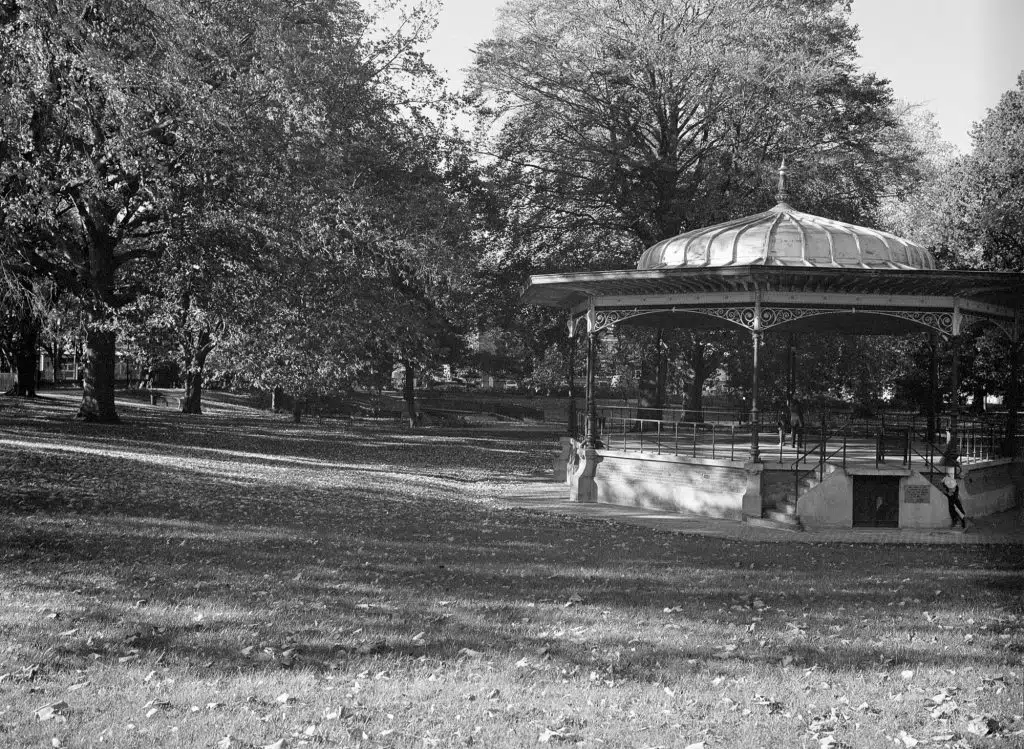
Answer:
(876, 501)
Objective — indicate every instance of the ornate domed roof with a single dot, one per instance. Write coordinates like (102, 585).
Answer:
(784, 236)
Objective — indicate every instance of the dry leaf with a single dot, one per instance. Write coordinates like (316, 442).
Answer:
(983, 725)
(54, 711)
(908, 740)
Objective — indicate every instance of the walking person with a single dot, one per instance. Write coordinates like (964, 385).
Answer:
(796, 422)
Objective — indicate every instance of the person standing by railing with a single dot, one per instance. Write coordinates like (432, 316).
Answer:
(956, 510)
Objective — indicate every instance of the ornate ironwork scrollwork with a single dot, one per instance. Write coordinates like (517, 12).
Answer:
(771, 317)
(607, 318)
(938, 321)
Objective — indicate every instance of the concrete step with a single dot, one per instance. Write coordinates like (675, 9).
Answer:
(787, 507)
(783, 517)
(769, 522)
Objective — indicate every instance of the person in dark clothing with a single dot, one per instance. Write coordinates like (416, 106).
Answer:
(796, 422)
(956, 510)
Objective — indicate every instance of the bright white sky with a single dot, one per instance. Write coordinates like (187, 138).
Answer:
(956, 57)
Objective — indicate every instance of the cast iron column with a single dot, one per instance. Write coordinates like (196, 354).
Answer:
(592, 439)
(954, 387)
(933, 384)
(755, 416)
(1012, 399)
(791, 364)
(573, 432)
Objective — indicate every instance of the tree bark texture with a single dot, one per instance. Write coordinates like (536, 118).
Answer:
(651, 385)
(409, 393)
(25, 356)
(194, 353)
(98, 385)
(277, 399)
(695, 387)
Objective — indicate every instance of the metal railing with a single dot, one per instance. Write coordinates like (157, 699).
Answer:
(824, 457)
(620, 428)
(625, 428)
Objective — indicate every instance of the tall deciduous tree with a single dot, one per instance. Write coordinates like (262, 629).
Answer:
(616, 124)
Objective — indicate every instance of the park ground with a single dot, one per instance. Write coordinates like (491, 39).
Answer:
(237, 580)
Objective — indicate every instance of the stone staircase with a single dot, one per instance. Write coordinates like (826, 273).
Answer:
(781, 514)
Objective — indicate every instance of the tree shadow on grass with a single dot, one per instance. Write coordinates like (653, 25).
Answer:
(137, 534)
(270, 590)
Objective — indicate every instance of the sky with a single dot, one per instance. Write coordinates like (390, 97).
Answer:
(955, 57)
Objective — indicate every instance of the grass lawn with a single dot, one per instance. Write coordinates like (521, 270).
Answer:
(235, 580)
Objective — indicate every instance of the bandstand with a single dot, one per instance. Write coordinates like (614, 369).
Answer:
(784, 271)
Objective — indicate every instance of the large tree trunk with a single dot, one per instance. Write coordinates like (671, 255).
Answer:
(652, 384)
(409, 393)
(195, 361)
(57, 359)
(25, 356)
(98, 384)
(695, 388)
(191, 402)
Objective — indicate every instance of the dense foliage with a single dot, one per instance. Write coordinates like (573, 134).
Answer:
(271, 180)
(277, 196)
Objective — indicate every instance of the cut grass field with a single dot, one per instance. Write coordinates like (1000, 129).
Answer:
(235, 580)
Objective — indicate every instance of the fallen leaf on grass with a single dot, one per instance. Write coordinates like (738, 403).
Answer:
(79, 685)
(945, 709)
(907, 675)
(983, 725)
(908, 740)
(279, 744)
(698, 745)
(55, 711)
(548, 736)
(284, 698)
(773, 706)
(226, 743)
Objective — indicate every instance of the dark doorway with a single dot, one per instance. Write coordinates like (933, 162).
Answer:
(876, 501)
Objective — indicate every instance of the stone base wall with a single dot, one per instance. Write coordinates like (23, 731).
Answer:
(991, 487)
(828, 504)
(670, 483)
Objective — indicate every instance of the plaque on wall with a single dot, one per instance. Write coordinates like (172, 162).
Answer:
(917, 494)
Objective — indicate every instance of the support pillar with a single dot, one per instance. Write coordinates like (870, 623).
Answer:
(753, 497)
(755, 415)
(573, 430)
(954, 386)
(932, 410)
(1012, 399)
(791, 365)
(592, 438)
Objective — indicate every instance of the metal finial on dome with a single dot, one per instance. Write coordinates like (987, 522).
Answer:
(782, 196)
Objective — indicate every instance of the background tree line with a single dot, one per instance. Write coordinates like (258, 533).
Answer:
(277, 193)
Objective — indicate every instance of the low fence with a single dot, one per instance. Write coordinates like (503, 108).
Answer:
(620, 429)
(727, 435)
